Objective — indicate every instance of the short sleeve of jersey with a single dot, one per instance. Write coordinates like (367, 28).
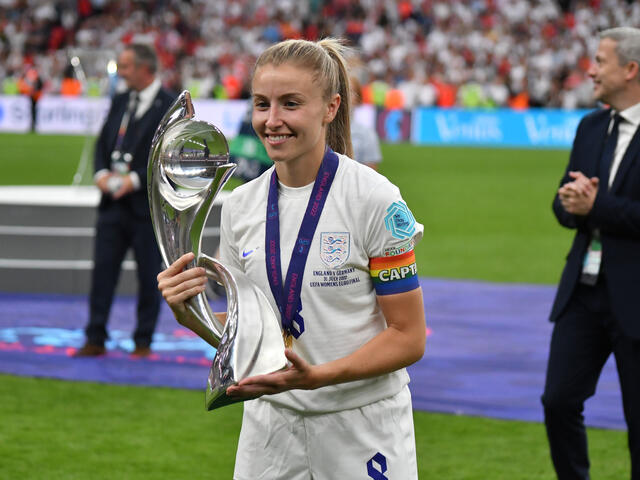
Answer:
(392, 234)
(228, 249)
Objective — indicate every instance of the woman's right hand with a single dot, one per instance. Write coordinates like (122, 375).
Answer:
(178, 284)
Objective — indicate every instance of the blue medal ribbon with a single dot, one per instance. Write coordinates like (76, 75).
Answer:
(287, 296)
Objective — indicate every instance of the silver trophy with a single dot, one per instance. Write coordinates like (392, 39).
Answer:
(188, 166)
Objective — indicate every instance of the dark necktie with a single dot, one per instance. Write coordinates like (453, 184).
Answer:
(604, 167)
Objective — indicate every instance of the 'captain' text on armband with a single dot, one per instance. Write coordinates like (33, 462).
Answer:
(395, 274)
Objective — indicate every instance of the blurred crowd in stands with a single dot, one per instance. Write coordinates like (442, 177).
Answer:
(469, 53)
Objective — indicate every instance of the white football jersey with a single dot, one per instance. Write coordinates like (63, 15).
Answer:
(364, 218)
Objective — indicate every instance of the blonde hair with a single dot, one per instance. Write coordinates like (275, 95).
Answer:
(326, 58)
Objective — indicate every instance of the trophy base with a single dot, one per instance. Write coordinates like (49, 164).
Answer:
(251, 343)
(215, 394)
(219, 399)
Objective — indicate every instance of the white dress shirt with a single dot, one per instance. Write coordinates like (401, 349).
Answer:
(146, 98)
(626, 130)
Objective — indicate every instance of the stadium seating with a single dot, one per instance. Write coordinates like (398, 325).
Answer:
(507, 52)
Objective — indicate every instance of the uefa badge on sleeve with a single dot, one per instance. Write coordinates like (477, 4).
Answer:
(399, 220)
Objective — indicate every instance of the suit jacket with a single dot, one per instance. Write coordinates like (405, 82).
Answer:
(616, 213)
(137, 142)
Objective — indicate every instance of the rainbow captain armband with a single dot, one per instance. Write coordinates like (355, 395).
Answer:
(395, 274)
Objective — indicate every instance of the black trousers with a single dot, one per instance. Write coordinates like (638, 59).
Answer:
(583, 338)
(117, 230)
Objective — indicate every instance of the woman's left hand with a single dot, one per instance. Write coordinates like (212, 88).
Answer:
(297, 375)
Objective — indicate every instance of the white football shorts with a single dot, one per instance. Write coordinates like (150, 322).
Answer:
(372, 442)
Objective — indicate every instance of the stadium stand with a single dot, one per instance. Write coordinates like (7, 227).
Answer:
(471, 53)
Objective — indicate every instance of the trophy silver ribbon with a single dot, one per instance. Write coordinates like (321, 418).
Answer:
(188, 166)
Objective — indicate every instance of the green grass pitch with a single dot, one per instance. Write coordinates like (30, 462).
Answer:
(487, 216)
(486, 212)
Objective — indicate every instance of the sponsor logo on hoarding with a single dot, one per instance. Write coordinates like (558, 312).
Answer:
(540, 129)
(452, 127)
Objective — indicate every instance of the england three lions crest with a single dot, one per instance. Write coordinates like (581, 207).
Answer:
(334, 248)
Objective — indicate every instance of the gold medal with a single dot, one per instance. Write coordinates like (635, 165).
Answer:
(288, 339)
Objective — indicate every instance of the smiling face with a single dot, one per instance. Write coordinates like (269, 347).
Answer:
(610, 79)
(291, 116)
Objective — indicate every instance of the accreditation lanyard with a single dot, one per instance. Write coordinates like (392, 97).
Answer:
(287, 296)
(132, 106)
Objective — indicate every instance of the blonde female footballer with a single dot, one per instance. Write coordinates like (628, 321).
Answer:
(330, 242)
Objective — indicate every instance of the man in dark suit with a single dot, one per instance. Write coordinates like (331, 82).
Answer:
(597, 306)
(124, 220)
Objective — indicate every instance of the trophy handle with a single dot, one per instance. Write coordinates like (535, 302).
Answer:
(181, 109)
(251, 342)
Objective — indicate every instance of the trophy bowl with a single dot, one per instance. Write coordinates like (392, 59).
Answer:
(188, 166)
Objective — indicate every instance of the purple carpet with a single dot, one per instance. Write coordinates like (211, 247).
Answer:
(486, 350)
